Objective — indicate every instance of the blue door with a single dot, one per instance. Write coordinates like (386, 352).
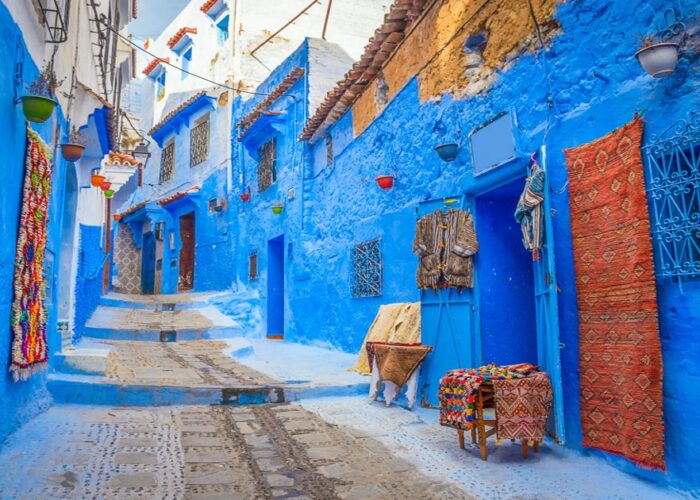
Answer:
(275, 288)
(447, 324)
(148, 263)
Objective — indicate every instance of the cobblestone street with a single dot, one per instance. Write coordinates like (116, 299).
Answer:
(263, 451)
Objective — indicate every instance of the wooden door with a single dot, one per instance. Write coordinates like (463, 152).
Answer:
(186, 279)
(148, 263)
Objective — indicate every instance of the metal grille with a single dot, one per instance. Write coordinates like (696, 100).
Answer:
(329, 150)
(673, 176)
(167, 162)
(253, 266)
(199, 143)
(55, 17)
(267, 172)
(368, 269)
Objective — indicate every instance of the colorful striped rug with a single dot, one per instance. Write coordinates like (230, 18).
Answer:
(620, 352)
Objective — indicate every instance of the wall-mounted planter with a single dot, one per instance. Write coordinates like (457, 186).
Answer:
(105, 186)
(108, 193)
(72, 152)
(96, 180)
(277, 208)
(447, 151)
(659, 59)
(245, 197)
(385, 181)
(38, 108)
(117, 217)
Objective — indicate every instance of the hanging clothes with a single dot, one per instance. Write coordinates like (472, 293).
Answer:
(445, 242)
(529, 212)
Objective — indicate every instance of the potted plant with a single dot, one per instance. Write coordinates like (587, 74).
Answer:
(97, 179)
(447, 151)
(385, 181)
(105, 185)
(39, 103)
(657, 58)
(277, 207)
(73, 150)
(108, 193)
(117, 217)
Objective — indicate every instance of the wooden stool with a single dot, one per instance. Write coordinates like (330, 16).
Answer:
(486, 399)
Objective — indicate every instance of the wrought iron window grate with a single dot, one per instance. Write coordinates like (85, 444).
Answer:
(199, 143)
(673, 176)
(267, 165)
(253, 266)
(54, 15)
(167, 162)
(368, 269)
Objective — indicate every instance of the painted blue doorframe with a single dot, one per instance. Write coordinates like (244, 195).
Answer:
(148, 263)
(275, 287)
(448, 323)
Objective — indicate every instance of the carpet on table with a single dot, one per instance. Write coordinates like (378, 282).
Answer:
(28, 316)
(620, 351)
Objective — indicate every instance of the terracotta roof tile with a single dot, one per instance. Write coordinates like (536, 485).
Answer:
(116, 158)
(134, 208)
(175, 111)
(94, 94)
(288, 82)
(155, 62)
(175, 39)
(208, 5)
(177, 196)
(380, 47)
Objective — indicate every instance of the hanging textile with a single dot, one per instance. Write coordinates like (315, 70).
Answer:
(620, 352)
(529, 211)
(445, 242)
(28, 318)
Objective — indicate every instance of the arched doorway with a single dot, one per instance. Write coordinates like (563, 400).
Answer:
(67, 256)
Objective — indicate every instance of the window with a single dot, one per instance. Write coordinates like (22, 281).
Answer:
(186, 59)
(368, 269)
(673, 173)
(253, 266)
(329, 150)
(160, 86)
(199, 141)
(267, 168)
(381, 96)
(167, 162)
(222, 30)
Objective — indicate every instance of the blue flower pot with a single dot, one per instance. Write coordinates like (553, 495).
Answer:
(448, 151)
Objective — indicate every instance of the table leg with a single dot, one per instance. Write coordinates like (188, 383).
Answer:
(460, 435)
(536, 446)
(523, 443)
(481, 428)
(473, 429)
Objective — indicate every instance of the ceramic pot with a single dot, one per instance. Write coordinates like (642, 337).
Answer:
(38, 108)
(448, 151)
(97, 180)
(385, 181)
(658, 60)
(245, 197)
(108, 193)
(72, 152)
(106, 185)
(277, 209)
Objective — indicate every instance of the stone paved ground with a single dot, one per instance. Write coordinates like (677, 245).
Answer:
(118, 318)
(256, 452)
(183, 364)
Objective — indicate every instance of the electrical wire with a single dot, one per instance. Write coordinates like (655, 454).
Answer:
(204, 78)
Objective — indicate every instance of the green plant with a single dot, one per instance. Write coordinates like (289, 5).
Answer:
(76, 137)
(46, 83)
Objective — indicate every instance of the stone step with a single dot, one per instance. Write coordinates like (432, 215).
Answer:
(90, 361)
(170, 302)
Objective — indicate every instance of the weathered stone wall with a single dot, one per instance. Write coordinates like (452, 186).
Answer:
(127, 259)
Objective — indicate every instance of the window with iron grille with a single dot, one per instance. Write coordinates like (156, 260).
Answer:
(673, 186)
(167, 162)
(329, 150)
(267, 168)
(199, 142)
(253, 266)
(54, 15)
(368, 269)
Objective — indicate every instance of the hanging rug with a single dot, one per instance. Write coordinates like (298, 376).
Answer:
(28, 316)
(620, 352)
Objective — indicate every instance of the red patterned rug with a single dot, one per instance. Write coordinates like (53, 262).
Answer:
(620, 352)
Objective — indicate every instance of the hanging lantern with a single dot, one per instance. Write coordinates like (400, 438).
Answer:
(277, 208)
(108, 193)
(97, 179)
(105, 185)
(385, 181)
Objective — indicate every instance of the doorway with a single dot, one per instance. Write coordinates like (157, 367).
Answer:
(275, 288)
(67, 256)
(148, 263)
(187, 237)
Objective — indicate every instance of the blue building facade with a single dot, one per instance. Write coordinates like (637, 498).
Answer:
(553, 83)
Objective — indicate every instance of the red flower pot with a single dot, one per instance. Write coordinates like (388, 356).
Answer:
(105, 185)
(72, 152)
(245, 197)
(385, 181)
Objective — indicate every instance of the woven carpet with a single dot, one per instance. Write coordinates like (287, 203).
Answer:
(28, 318)
(522, 406)
(396, 362)
(620, 352)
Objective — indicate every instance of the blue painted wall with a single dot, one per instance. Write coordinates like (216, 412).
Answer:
(336, 207)
(20, 401)
(88, 287)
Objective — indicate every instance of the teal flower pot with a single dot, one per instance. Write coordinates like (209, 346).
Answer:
(38, 108)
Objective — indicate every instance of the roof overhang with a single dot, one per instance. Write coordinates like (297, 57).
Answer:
(213, 8)
(181, 117)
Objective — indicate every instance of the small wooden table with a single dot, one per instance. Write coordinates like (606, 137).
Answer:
(486, 399)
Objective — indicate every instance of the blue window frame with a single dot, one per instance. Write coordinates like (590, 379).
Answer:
(160, 86)
(186, 60)
(222, 30)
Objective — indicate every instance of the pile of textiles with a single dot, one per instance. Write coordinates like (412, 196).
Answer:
(396, 365)
(523, 398)
(395, 323)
